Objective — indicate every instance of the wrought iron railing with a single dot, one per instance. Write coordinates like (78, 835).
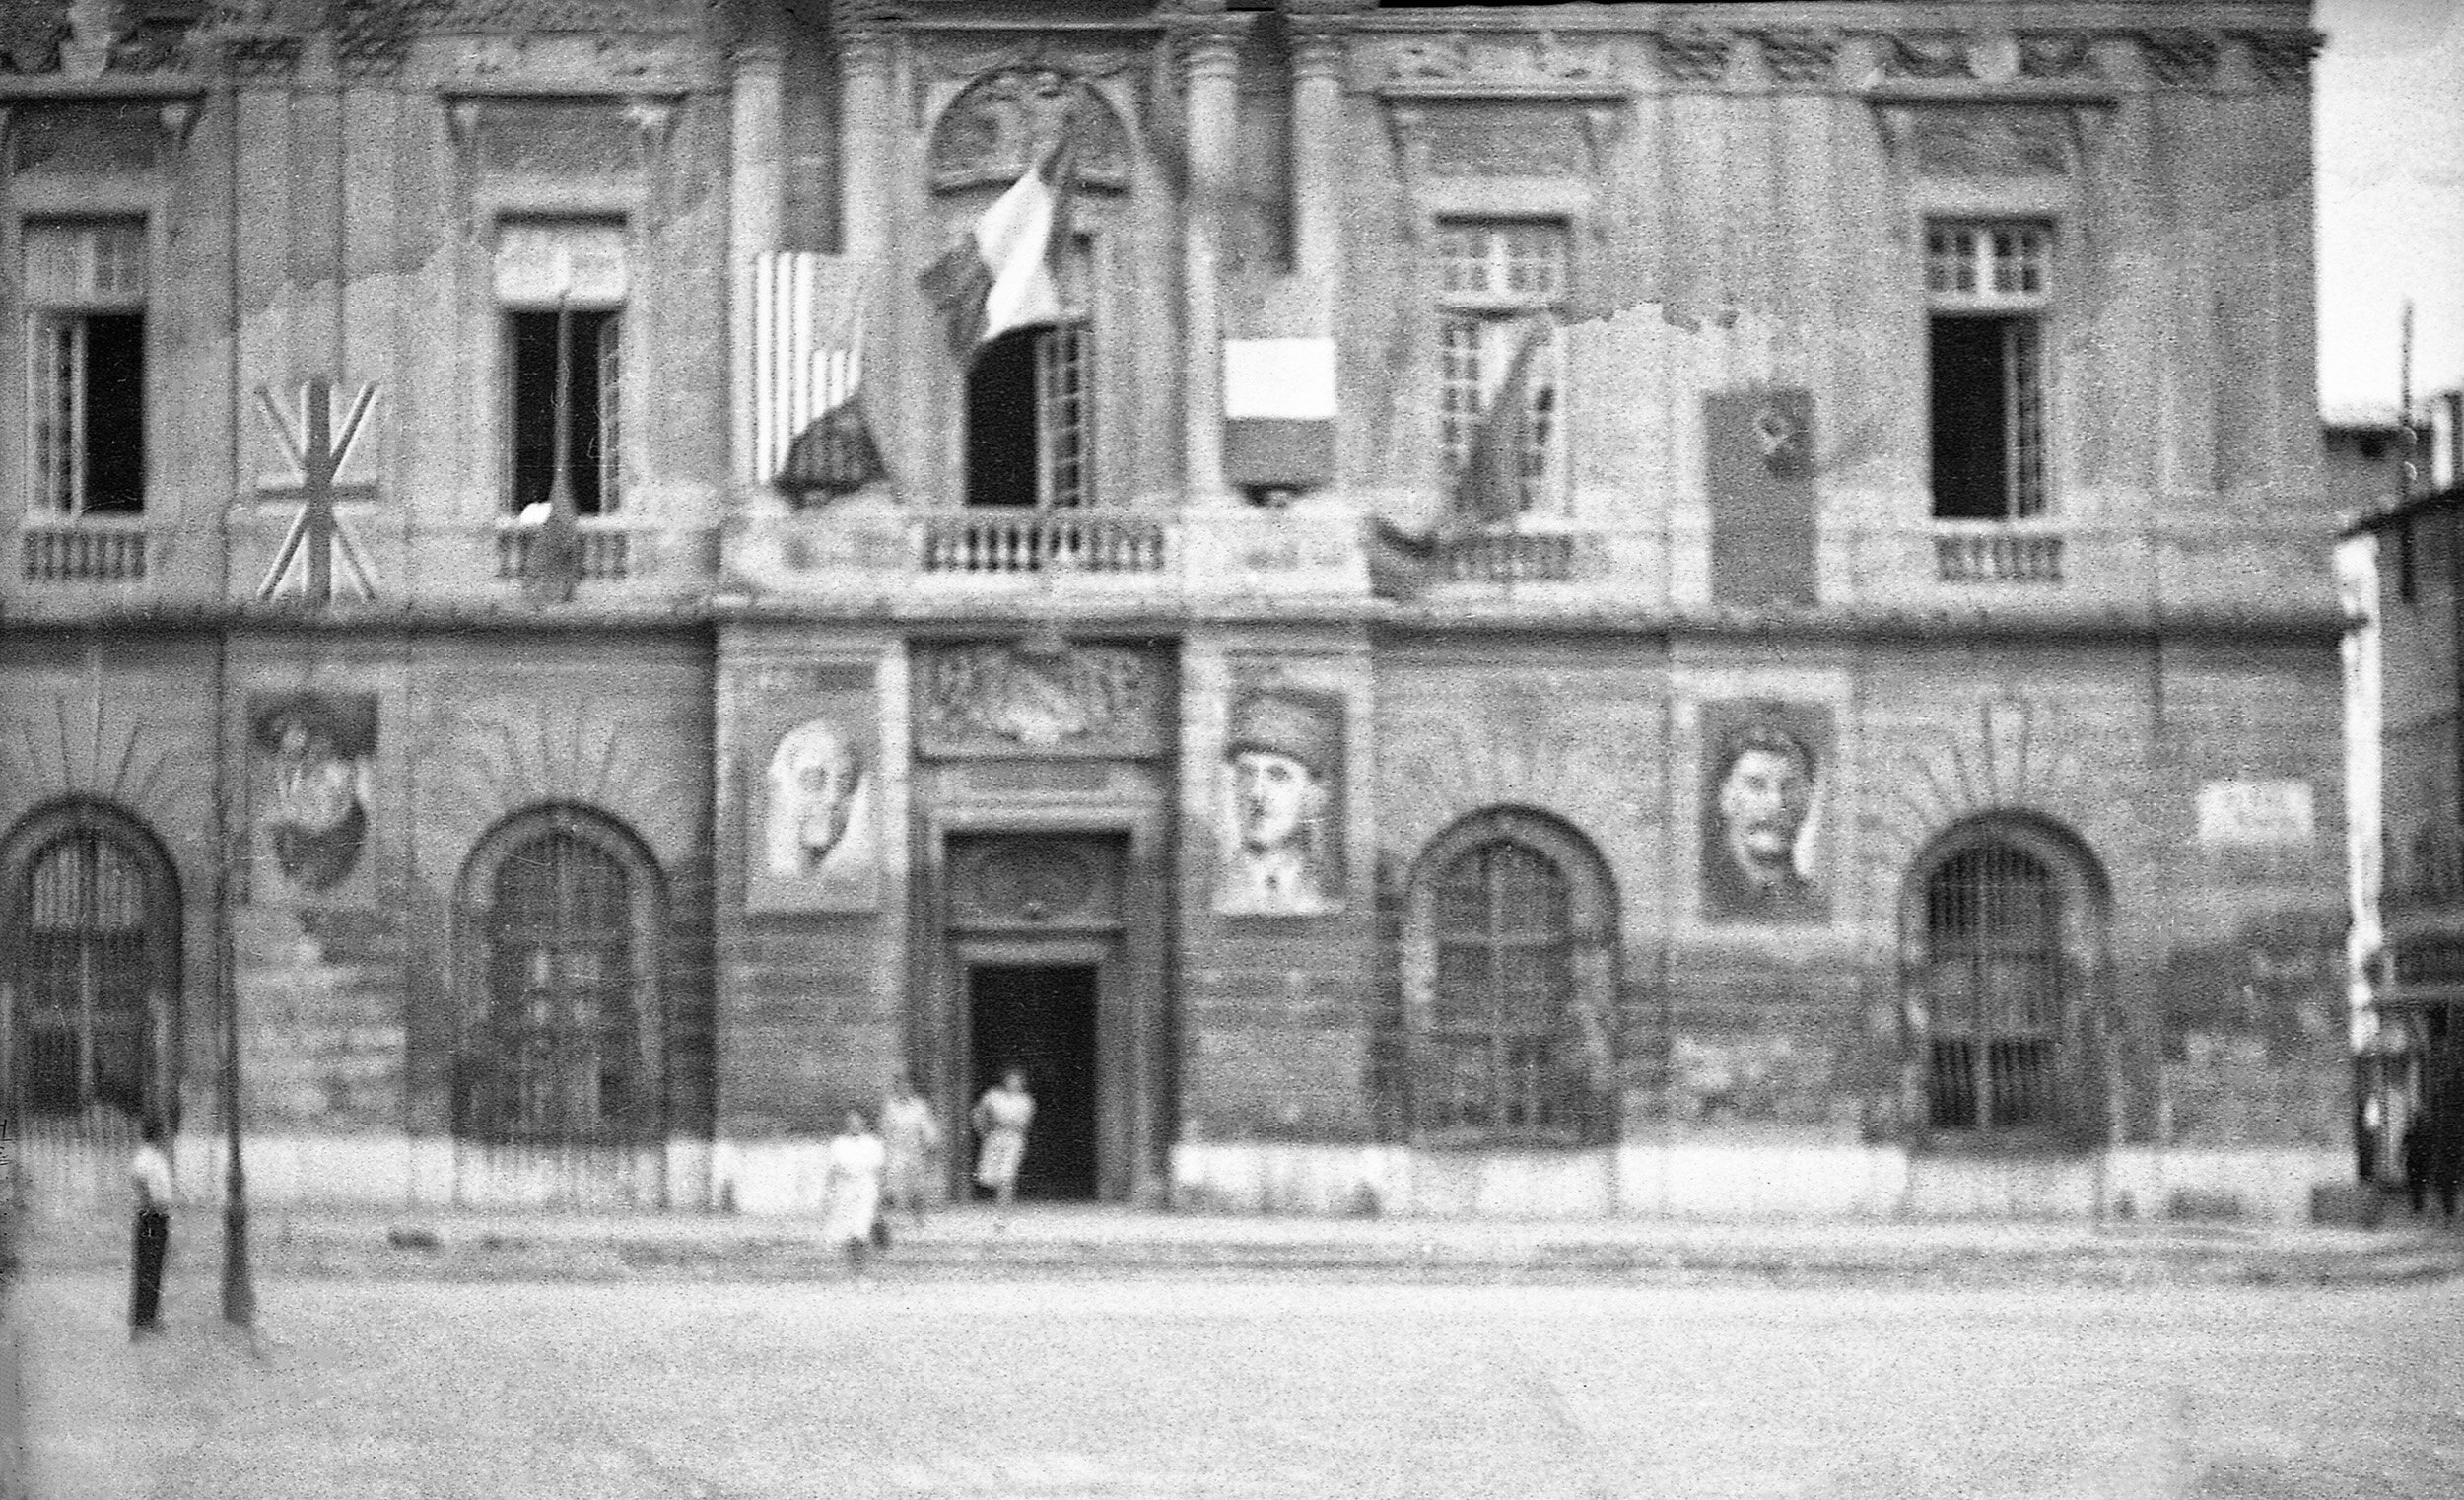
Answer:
(1044, 542)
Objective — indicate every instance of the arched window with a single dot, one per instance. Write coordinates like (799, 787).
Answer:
(93, 968)
(562, 1014)
(2009, 928)
(1508, 990)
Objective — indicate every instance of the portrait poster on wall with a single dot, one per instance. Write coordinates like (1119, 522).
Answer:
(1280, 801)
(309, 757)
(814, 837)
(1766, 776)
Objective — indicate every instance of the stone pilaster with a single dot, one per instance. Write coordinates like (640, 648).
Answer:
(866, 48)
(1210, 64)
(754, 157)
(1317, 53)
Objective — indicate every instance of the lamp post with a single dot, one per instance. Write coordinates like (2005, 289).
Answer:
(239, 1288)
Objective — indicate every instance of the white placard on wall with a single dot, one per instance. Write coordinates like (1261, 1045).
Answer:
(2256, 814)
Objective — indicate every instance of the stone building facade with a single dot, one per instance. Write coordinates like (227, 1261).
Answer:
(1573, 609)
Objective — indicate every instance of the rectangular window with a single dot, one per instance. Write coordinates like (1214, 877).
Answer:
(86, 322)
(562, 286)
(1500, 287)
(1987, 289)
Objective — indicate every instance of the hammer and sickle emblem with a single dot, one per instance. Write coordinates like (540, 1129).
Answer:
(1782, 439)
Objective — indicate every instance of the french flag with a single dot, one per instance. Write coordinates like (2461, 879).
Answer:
(1001, 277)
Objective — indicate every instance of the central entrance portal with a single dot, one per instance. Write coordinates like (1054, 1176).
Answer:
(1040, 1019)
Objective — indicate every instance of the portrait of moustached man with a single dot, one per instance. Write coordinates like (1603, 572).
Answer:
(1764, 772)
(314, 751)
(1282, 761)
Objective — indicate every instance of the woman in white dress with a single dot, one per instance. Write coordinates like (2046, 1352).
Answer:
(856, 1157)
(1001, 1118)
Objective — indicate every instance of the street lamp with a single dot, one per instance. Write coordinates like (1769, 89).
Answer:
(239, 1289)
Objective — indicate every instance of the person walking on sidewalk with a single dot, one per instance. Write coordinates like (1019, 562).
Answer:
(1001, 1118)
(157, 1191)
(913, 1137)
(854, 1188)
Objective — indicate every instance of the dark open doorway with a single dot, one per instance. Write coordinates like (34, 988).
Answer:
(1040, 1017)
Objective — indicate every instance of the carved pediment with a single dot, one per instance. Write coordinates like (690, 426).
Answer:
(1987, 140)
(1006, 120)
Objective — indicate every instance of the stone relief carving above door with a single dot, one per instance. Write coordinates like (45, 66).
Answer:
(1002, 698)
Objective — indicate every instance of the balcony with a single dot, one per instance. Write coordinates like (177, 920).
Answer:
(75, 553)
(1998, 556)
(1041, 543)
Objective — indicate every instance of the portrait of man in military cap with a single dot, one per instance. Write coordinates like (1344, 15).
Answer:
(1762, 791)
(314, 751)
(1282, 758)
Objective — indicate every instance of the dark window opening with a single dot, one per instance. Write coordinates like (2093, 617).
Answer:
(1987, 409)
(91, 433)
(1027, 420)
(590, 352)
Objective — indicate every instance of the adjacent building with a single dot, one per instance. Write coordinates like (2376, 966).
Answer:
(2405, 718)
(1570, 610)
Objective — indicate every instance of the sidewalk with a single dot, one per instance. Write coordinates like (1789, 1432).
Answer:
(1047, 1241)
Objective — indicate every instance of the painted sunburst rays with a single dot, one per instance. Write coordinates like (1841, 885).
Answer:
(85, 740)
(502, 753)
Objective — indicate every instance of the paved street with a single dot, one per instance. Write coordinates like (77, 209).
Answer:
(1269, 1387)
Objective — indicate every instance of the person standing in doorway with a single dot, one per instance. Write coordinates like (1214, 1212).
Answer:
(1001, 1118)
(149, 1176)
(913, 1137)
(853, 1186)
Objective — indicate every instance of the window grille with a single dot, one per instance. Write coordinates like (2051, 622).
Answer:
(1988, 287)
(1995, 990)
(85, 296)
(83, 971)
(1504, 980)
(561, 970)
(1501, 284)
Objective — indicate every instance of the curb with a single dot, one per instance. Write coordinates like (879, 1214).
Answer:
(421, 1252)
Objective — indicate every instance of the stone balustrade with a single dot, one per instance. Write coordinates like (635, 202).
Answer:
(80, 553)
(1995, 554)
(1041, 542)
